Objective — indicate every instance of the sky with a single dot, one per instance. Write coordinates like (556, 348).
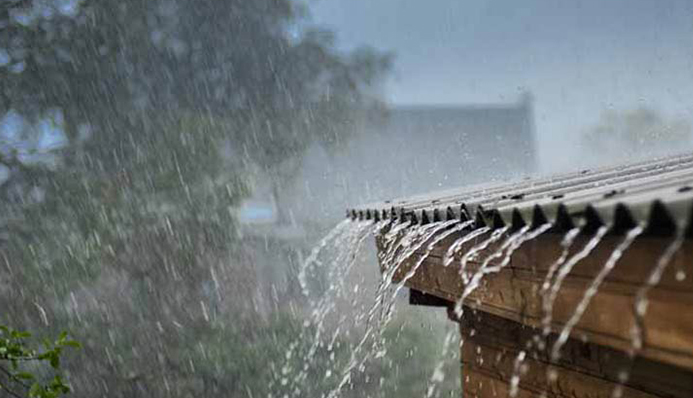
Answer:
(577, 58)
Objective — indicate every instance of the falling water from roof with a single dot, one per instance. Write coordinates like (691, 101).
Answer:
(563, 272)
(641, 303)
(505, 251)
(593, 288)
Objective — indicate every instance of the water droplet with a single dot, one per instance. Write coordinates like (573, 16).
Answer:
(680, 275)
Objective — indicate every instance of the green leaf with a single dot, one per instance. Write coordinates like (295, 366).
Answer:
(72, 343)
(36, 390)
(15, 334)
(55, 361)
(24, 376)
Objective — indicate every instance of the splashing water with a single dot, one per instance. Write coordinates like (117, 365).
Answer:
(566, 244)
(345, 242)
(343, 238)
(315, 253)
(640, 305)
(416, 238)
(389, 237)
(593, 288)
(515, 244)
(515, 379)
(388, 303)
(472, 283)
(391, 264)
(457, 245)
(511, 244)
(525, 237)
(399, 244)
(409, 244)
(389, 260)
(477, 249)
(412, 271)
(392, 243)
(337, 277)
(563, 273)
(438, 375)
(429, 249)
(506, 246)
(547, 304)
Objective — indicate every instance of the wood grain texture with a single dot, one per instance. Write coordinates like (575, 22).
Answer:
(515, 293)
(586, 370)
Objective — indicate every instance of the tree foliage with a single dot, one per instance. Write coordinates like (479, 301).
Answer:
(623, 134)
(115, 66)
(129, 129)
(17, 375)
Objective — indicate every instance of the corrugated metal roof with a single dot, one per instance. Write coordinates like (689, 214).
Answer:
(656, 193)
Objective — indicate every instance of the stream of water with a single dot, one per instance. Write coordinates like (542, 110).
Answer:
(509, 246)
(593, 288)
(641, 303)
(340, 247)
(403, 249)
(640, 306)
(563, 271)
(371, 344)
(459, 243)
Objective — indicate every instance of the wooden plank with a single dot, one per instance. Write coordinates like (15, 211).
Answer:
(587, 370)
(641, 257)
(515, 293)
(480, 384)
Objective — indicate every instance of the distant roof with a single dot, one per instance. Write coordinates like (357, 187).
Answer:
(482, 121)
(418, 149)
(656, 193)
(462, 108)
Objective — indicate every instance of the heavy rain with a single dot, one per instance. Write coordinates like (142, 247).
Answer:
(516, 178)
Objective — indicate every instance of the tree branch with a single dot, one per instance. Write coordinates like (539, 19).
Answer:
(12, 393)
(12, 378)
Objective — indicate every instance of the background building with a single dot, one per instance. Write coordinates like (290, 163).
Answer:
(418, 149)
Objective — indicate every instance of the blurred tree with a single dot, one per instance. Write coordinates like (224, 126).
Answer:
(620, 135)
(128, 130)
(112, 69)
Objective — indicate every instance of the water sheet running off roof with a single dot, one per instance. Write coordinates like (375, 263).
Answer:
(657, 194)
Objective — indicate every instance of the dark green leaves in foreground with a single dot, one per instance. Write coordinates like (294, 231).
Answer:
(27, 371)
